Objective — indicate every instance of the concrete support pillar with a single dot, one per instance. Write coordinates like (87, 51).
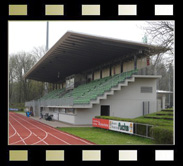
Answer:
(110, 70)
(121, 67)
(100, 73)
(135, 62)
(163, 101)
(92, 75)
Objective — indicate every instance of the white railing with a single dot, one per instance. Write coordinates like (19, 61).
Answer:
(50, 102)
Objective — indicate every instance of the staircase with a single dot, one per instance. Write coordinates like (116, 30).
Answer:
(107, 88)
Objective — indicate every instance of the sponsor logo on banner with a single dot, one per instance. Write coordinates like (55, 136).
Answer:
(102, 123)
(121, 126)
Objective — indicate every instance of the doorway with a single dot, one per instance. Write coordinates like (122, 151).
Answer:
(105, 110)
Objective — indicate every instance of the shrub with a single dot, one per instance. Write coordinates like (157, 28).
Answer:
(162, 134)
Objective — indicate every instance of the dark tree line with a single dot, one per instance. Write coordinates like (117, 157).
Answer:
(161, 33)
(20, 89)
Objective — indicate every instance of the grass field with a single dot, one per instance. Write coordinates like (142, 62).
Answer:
(18, 111)
(106, 137)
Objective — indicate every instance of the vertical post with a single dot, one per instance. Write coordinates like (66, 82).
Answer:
(135, 62)
(110, 70)
(169, 90)
(100, 73)
(147, 130)
(163, 102)
(92, 75)
(47, 35)
(121, 67)
(47, 39)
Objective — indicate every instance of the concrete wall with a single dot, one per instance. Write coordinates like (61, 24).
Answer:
(105, 72)
(141, 63)
(67, 118)
(116, 68)
(127, 66)
(97, 75)
(127, 103)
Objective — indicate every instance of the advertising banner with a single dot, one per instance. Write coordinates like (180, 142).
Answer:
(101, 123)
(121, 126)
(13, 109)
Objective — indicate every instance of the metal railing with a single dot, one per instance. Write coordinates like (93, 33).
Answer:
(51, 102)
(143, 130)
(148, 70)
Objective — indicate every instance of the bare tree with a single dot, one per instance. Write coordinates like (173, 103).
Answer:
(38, 52)
(161, 33)
(21, 90)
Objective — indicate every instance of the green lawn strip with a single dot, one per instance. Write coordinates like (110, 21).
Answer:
(18, 111)
(106, 137)
(167, 110)
(162, 113)
(159, 116)
(156, 122)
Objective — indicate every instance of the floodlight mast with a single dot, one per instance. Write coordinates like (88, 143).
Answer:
(47, 43)
(47, 35)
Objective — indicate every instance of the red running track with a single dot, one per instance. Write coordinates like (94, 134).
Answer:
(27, 131)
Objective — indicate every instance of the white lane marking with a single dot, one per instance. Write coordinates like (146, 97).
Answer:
(64, 133)
(61, 132)
(15, 132)
(40, 138)
(30, 131)
(18, 135)
(59, 139)
(42, 130)
(45, 131)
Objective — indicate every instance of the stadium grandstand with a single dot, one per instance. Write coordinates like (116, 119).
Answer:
(93, 76)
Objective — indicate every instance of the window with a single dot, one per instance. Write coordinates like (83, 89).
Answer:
(62, 110)
(70, 111)
(146, 89)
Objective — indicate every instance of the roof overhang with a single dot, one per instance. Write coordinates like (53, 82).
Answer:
(163, 92)
(75, 52)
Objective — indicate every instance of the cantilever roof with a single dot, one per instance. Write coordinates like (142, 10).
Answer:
(76, 52)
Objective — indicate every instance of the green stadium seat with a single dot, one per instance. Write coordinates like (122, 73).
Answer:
(83, 94)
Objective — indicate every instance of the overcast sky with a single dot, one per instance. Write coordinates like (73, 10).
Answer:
(25, 35)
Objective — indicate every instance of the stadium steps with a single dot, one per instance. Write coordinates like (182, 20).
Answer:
(111, 92)
(106, 86)
(91, 93)
(52, 95)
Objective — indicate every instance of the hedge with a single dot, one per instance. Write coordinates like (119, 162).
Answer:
(162, 134)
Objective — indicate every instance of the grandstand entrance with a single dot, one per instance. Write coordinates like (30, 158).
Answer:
(105, 110)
